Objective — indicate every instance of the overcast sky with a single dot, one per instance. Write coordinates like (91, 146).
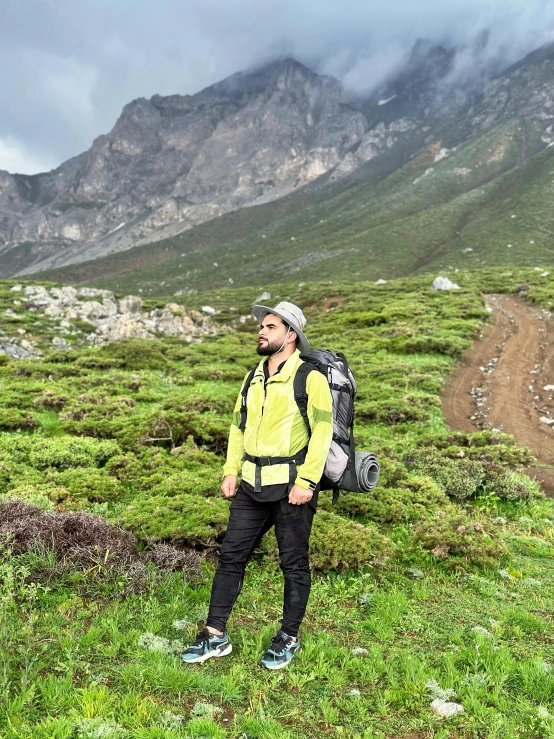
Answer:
(69, 66)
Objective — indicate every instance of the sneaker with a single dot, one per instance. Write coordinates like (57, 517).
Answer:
(280, 652)
(207, 645)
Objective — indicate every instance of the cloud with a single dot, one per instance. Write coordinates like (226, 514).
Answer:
(16, 158)
(74, 65)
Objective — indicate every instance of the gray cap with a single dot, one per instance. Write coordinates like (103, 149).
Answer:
(291, 315)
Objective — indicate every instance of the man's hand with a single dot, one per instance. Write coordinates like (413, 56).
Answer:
(299, 495)
(229, 486)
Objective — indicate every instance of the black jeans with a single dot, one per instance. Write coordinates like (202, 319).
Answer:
(249, 520)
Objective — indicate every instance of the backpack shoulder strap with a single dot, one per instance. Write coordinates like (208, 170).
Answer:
(244, 393)
(300, 394)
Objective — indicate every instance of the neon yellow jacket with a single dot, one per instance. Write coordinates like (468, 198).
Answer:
(275, 427)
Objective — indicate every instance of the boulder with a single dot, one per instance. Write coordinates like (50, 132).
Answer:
(443, 283)
(130, 304)
(446, 709)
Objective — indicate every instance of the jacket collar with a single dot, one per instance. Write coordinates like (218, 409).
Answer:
(286, 371)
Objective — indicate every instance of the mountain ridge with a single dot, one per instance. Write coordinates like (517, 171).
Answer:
(173, 162)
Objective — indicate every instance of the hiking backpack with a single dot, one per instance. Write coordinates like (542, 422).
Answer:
(335, 369)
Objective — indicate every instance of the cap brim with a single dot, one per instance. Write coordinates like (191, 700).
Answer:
(261, 311)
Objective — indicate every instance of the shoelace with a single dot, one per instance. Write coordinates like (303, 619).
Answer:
(202, 639)
(280, 643)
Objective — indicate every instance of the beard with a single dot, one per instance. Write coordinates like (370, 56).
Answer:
(268, 348)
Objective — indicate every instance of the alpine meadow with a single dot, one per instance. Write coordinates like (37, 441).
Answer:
(412, 225)
(437, 585)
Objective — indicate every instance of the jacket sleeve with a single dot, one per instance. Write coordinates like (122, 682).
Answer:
(320, 414)
(235, 446)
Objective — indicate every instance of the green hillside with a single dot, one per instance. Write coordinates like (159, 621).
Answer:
(438, 585)
(456, 213)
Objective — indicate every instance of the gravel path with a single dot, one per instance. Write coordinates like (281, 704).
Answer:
(502, 379)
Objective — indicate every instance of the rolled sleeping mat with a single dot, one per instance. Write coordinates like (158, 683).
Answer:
(363, 475)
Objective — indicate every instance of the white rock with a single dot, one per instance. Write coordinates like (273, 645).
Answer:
(16, 289)
(93, 292)
(443, 283)
(381, 282)
(446, 709)
(548, 388)
(60, 343)
(68, 295)
(53, 310)
(549, 421)
(264, 296)
(208, 310)
(10, 314)
(130, 304)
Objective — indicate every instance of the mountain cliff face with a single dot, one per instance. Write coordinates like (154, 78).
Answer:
(173, 162)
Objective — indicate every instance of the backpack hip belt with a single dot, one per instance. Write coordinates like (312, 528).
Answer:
(260, 462)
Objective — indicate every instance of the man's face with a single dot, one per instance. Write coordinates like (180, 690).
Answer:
(271, 335)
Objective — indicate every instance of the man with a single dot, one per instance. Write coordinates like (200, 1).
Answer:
(281, 468)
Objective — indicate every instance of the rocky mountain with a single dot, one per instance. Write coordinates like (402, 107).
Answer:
(171, 163)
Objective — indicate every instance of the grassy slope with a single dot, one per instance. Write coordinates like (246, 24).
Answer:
(70, 647)
(405, 223)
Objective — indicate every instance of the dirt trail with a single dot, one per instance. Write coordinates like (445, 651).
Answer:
(501, 382)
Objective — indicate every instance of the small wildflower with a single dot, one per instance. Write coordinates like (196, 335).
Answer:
(360, 651)
(481, 630)
(365, 598)
(543, 713)
(154, 643)
(182, 624)
(355, 693)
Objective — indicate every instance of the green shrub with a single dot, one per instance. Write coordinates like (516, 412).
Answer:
(418, 497)
(68, 451)
(84, 484)
(136, 354)
(207, 429)
(506, 483)
(98, 362)
(337, 543)
(186, 469)
(485, 446)
(459, 478)
(454, 538)
(16, 420)
(14, 447)
(34, 494)
(439, 343)
(392, 411)
(184, 519)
